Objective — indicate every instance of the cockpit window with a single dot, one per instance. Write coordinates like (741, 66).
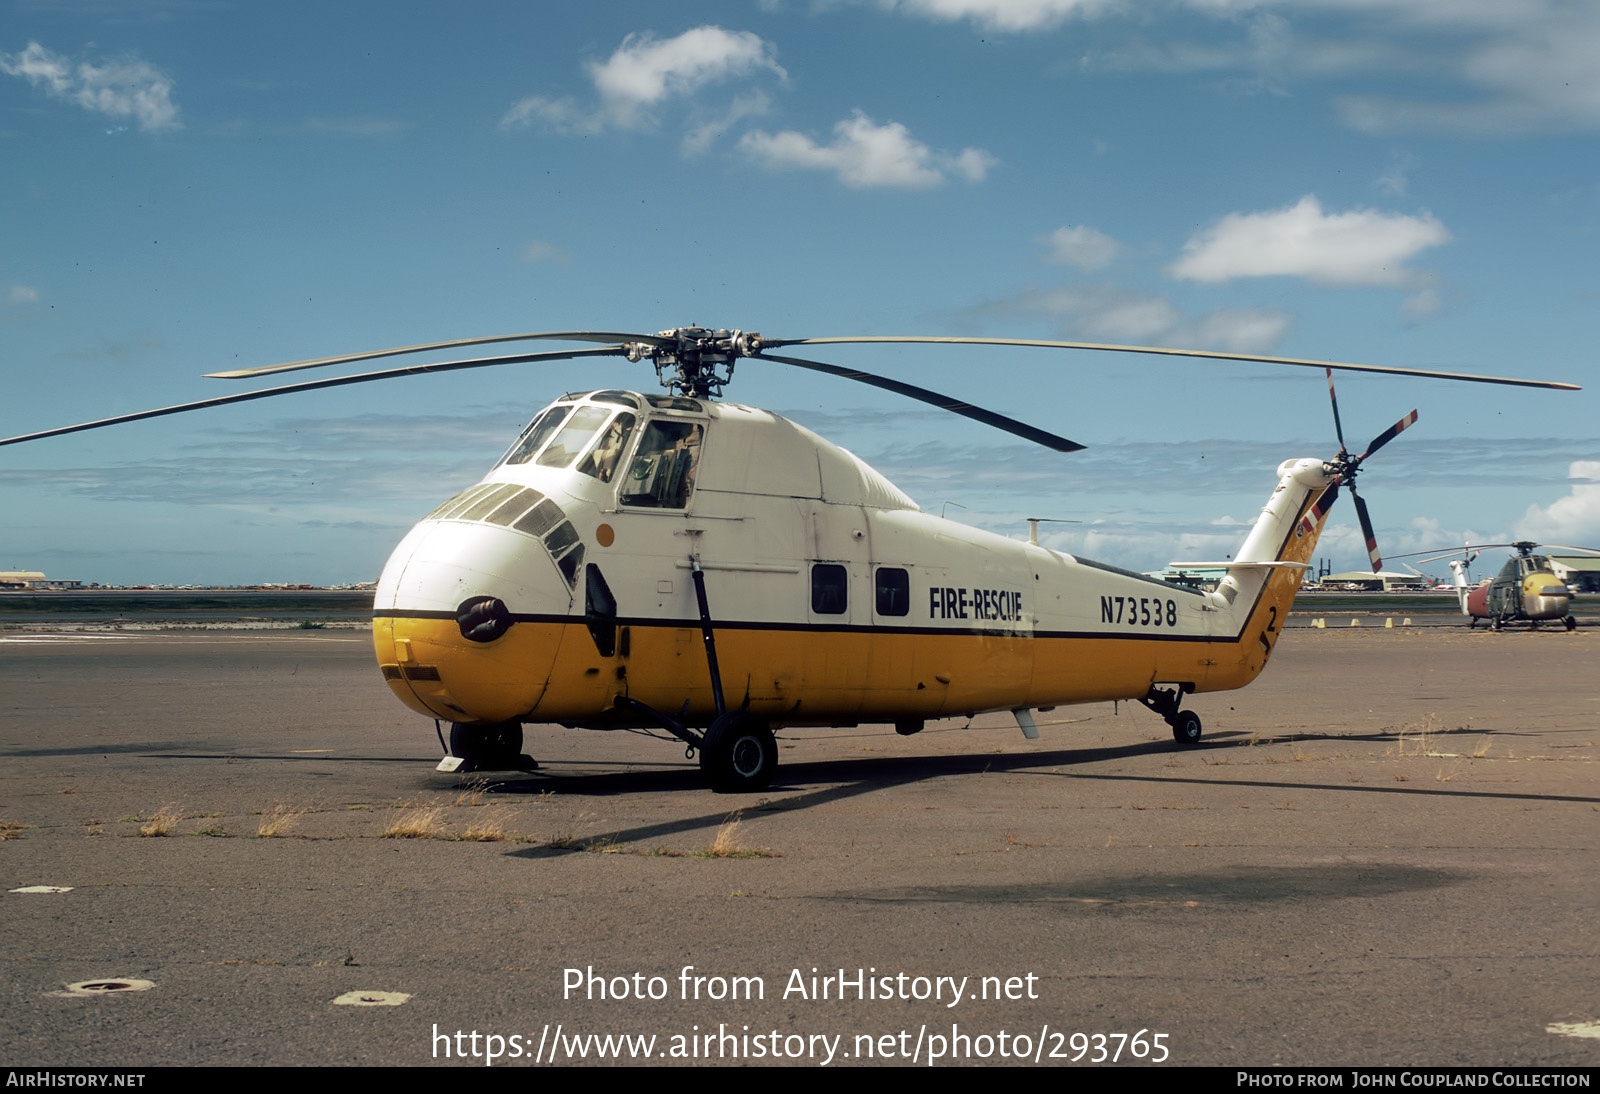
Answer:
(537, 434)
(601, 462)
(674, 402)
(662, 474)
(573, 436)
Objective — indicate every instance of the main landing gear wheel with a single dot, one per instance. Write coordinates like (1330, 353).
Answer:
(738, 753)
(494, 746)
(1571, 622)
(1185, 727)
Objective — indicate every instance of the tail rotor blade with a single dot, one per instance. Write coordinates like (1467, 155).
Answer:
(1338, 427)
(1366, 530)
(1387, 435)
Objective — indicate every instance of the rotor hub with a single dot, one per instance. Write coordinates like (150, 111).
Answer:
(1343, 468)
(696, 361)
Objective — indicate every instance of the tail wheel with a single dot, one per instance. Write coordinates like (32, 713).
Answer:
(738, 753)
(487, 746)
(1186, 727)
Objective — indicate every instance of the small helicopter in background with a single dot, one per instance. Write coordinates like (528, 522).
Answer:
(647, 561)
(1526, 590)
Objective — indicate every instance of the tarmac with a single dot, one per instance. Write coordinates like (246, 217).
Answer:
(1382, 853)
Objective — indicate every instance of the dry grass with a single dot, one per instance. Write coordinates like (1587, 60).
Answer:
(1482, 748)
(278, 822)
(727, 845)
(489, 828)
(422, 822)
(12, 829)
(472, 792)
(1419, 742)
(162, 821)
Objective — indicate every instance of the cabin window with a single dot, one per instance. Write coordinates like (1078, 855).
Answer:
(830, 589)
(662, 474)
(601, 462)
(583, 424)
(537, 434)
(892, 587)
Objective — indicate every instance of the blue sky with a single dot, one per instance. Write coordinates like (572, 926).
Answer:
(192, 185)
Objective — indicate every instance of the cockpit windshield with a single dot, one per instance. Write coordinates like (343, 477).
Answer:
(601, 462)
(539, 432)
(573, 437)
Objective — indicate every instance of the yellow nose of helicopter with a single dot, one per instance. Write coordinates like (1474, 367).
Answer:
(468, 620)
(1544, 596)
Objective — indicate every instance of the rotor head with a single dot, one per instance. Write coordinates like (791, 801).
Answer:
(695, 361)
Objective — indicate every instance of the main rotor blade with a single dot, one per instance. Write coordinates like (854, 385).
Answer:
(314, 385)
(555, 335)
(1387, 435)
(1210, 354)
(1366, 529)
(933, 398)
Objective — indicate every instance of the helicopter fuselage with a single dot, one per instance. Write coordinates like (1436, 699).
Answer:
(1526, 589)
(562, 588)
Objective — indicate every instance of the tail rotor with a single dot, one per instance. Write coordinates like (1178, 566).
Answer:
(1345, 466)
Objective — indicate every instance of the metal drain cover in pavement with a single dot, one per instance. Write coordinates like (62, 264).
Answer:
(106, 987)
(371, 999)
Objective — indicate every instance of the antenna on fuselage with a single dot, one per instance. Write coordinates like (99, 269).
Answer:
(1034, 522)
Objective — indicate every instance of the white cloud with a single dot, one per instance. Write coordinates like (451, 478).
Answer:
(1363, 247)
(1471, 67)
(747, 105)
(1082, 246)
(1572, 520)
(1008, 15)
(1396, 175)
(1238, 330)
(540, 251)
(1108, 313)
(23, 295)
(1425, 303)
(125, 88)
(1530, 66)
(864, 154)
(645, 72)
(356, 126)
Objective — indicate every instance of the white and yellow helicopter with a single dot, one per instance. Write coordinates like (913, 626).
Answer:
(677, 562)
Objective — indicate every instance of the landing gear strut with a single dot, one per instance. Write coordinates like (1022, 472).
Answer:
(737, 751)
(1166, 702)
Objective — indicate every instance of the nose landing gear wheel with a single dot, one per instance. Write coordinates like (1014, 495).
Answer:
(495, 746)
(738, 753)
(1186, 727)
